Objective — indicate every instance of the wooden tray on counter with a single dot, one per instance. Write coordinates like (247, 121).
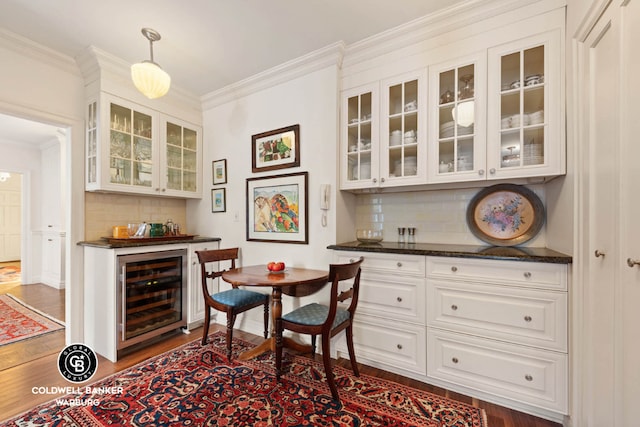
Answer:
(150, 239)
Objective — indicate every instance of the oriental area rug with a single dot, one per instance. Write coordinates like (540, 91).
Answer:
(194, 385)
(19, 321)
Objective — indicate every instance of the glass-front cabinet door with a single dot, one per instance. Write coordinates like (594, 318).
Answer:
(525, 130)
(181, 156)
(360, 144)
(131, 150)
(457, 121)
(403, 137)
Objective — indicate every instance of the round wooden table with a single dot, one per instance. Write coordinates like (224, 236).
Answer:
(293, 281)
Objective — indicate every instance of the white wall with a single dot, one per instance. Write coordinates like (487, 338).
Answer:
(42, 85)
(310, 101)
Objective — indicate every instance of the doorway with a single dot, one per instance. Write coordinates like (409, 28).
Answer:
(10, 216)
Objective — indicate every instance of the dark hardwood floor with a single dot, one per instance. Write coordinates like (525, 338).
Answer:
(33, 363)
(46, 299)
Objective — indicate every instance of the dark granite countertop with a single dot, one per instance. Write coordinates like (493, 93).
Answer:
(132, 243)
(460, 251)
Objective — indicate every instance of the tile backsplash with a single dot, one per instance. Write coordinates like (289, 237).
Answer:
(103, 211)
(439, 216)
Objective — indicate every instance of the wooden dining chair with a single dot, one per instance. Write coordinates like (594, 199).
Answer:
(326, 320)
(232, 301)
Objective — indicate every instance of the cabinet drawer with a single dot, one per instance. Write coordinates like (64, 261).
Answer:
(393, 344)
(413, 265)
(399, 298)
(523, 316)
(532, 376)
(520, 273)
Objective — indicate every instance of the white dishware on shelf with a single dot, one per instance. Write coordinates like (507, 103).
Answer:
(411, 106)
(395, 138)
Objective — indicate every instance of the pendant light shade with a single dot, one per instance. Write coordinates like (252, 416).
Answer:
(151, 80)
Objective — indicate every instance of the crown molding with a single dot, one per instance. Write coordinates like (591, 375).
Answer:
(456, 17)
(27, 47)
(287, 71)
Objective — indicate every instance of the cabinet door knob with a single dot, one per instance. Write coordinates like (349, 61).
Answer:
(454, 268)
(454, 359)
(399, 264)
(632, 262)
(351, 260)
(481, 172)
(528, 318)
(528, 377)
(492, 171)
(454, 307)
(381, 179)
(375, 180)
(527, 274)
(399, 346)
(598, 254)
(399, 299)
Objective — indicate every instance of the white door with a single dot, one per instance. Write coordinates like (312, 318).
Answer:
(628, 314)
(10, 217)
(610, 378)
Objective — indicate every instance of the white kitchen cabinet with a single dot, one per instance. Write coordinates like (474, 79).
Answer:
(525, 124)
(499, 330)
(389, 328)
(134, 149)
(360, 142)
(53, 271)
(383, 138)
(457, 114)
(196, 307)
(505, 86)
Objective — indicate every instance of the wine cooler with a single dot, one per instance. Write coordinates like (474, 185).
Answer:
(152, 296)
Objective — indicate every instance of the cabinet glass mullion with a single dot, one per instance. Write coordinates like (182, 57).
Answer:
(522, 127)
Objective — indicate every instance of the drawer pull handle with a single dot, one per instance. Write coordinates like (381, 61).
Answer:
(528, 377)
(528, 318)
(632, 262)
(454, 307)
(598, 254)
(399, 346)
(454, 359)
(399, 264)
(454, 268)
(527, 274)
(399, 299)
(351, 260)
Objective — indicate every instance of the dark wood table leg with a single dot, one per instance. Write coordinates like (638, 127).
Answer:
(270, 343)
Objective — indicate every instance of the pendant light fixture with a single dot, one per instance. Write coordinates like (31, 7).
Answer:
(147, 76)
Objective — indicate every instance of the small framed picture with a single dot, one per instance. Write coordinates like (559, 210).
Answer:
(219, 171)
(276, 149)
(218, 200)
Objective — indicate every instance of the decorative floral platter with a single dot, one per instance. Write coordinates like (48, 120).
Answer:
(505, 215)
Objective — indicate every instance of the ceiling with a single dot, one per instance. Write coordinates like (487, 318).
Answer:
(206, 44)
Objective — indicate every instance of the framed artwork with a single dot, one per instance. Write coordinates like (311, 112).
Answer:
(218, 200)
(219, 171)
(505, 215)
(277, 208)
(276, 149)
